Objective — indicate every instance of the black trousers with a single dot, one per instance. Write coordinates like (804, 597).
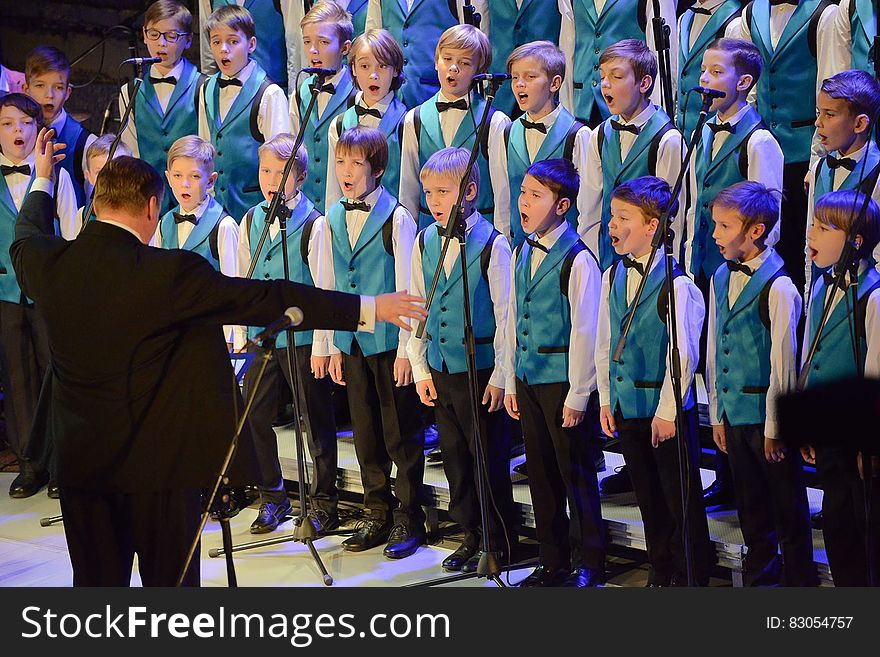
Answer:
(843, 516)
(316, 401)
(771, 503)
(24, 358)
(655, 476)
(562, 470)
(455, 429)
(105, 530)
(387, 430)
(794, 222)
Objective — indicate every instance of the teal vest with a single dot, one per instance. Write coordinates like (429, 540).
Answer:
(543, 314)
(445, 326)
(690, 60)
(535, 20)
(238, 183)
(358, 11)
(863, 29)
(315, 138)
(9, 289)
(75, 136)
(203, 234)
(824, 178)
(712, 176)
(158, 130)
(787, 87)
(614, 171)
(518, 162)
(620, 19)
(270, 265)
(637, 379)
(389, 125)
(271, 52)
(430, 138)
(742, 346)
(417, 33)
(834, 357)
(368, 268)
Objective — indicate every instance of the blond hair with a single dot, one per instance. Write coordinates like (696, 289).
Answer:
(281, 146)
(467, 37)
(636, 53)
(328, 11)
(101, 146)
(451, 163)
(235, 18)
(171, 10)
(195, 148)
(552, 59)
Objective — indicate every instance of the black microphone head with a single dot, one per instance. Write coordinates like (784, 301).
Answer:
(492, 76)
(709, 93)
(317, 70)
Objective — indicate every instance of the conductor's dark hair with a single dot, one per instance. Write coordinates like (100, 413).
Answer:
(127, 183)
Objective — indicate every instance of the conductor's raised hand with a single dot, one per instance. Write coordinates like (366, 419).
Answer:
(397, 307)
(47, 154)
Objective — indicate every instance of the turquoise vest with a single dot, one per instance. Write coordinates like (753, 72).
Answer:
(315, 138)
(358, 11)
(9, 289)
(238, 184)
(158, 130)
(271, 52)
(787, 87)
(863, 29)
(75, 136)
(712, 176)
(445, 326)
(637, 379)
(825, 177)
(619, 20)
(270, 265)
(199, 240)
(368, 268)
(518, 162)
(417, 33)
(431, 140)
(543, 314)
(690, 60)
(615, 172)
(535, 20)
(388, 126)
(742, 347)
(834, 357)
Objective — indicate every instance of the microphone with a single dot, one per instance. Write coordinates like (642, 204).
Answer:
(140, 61)
(709, 93)
(293, 316)
(316, 70)
(494, 77)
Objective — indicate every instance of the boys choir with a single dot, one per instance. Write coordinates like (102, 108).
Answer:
(561, 209)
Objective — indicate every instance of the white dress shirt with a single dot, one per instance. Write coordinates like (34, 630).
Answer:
(839, 45)
(403, 233)
(499, 285)
(784, 303)
(65, 204)
(163, 95)
(689, 313)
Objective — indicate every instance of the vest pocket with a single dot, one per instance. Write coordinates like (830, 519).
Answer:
(647, 384)
(755, 390)
(552, 350)
(803, 123)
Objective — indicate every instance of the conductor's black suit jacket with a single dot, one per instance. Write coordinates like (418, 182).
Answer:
(140, 395)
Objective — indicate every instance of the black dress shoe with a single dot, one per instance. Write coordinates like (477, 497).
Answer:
(465, 551)
(371, 533)
(719, 495)
(473, 564)
(53, 491)
(323, 521)
(617, 483)
(27, 484)
(582, 578)
(543, 576)
(402, 542)
(270, 516)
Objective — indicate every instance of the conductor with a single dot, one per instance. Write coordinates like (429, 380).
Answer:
(139, 401)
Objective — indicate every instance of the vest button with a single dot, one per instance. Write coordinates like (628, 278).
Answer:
(595, 67)
(442, 324)
(351, 269)
(268, 258)
(525, 332)
(726, 332)
(684, 72)
(620, 379)
(818, 349)
(317, 139)
(443, 309)
(526, 316)
(595, 84)
(620, 362)
(774, 106)
(405, 42)
(774, 124)
(727, 352)
(598, 34)
(354, 285)
(724, 389)
(266, 276)
(724, 370)
(442, 340)
(317, 159)
(597, 52)
(816, 368)
(405, 61)
(528, 299)
(523, 348)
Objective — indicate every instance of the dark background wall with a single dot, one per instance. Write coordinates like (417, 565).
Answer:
(74, 27)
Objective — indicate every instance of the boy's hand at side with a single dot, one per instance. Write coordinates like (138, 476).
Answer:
(336, 369)
(511, 405)
(571, 417)
(402, 372)
(808, 453)
(719, 436)
(427, 391)
(606, 419)
(493, 398)
(661, 430)
(774, 450)
(320, 366)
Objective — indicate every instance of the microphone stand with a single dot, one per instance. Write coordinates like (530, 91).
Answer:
(662, 46)
(303, 529)
(471, 15)
(488, 566)
(664, 235)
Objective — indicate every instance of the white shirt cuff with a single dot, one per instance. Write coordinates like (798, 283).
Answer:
(43, 185)
(367, 319)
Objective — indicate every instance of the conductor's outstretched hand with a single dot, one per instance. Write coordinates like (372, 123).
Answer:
(397, 307)
(47, 154)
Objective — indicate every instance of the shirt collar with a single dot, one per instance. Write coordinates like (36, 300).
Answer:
(755, 263)
(199, 210)
(711, 5)
(28, 160)
(369, 199)
(857, 156)
(550, 238)
(123, 226)
(642, 117)
(643, 260)
(58, 123)
(736, 118)
(443, 98)
(175, 71)
(382, 105)
(244, 74)
(548, 120)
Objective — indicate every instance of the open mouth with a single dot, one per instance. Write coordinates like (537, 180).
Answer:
(347, 186)
(813, 253)
(186, 196)
(48, 107)
(608, 99)
(524, 217)
(225, 62)
(451, 81)
(522, 98)
(318, 63)
(374, 88)
(18, 142)
(615, 240)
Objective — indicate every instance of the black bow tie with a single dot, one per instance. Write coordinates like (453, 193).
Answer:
(632, 263)
(700, 10)
(528, 125)
(223, 82)
(328, 88)
(776, 3)
(733, 265)
(461, 104)
(180, 218)
(24, 169)
(829, 276)
(367, 111)
(715, 128)
(169, 80)
(624, 127)
(535, 244)
(846, 162)
(356, 205)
